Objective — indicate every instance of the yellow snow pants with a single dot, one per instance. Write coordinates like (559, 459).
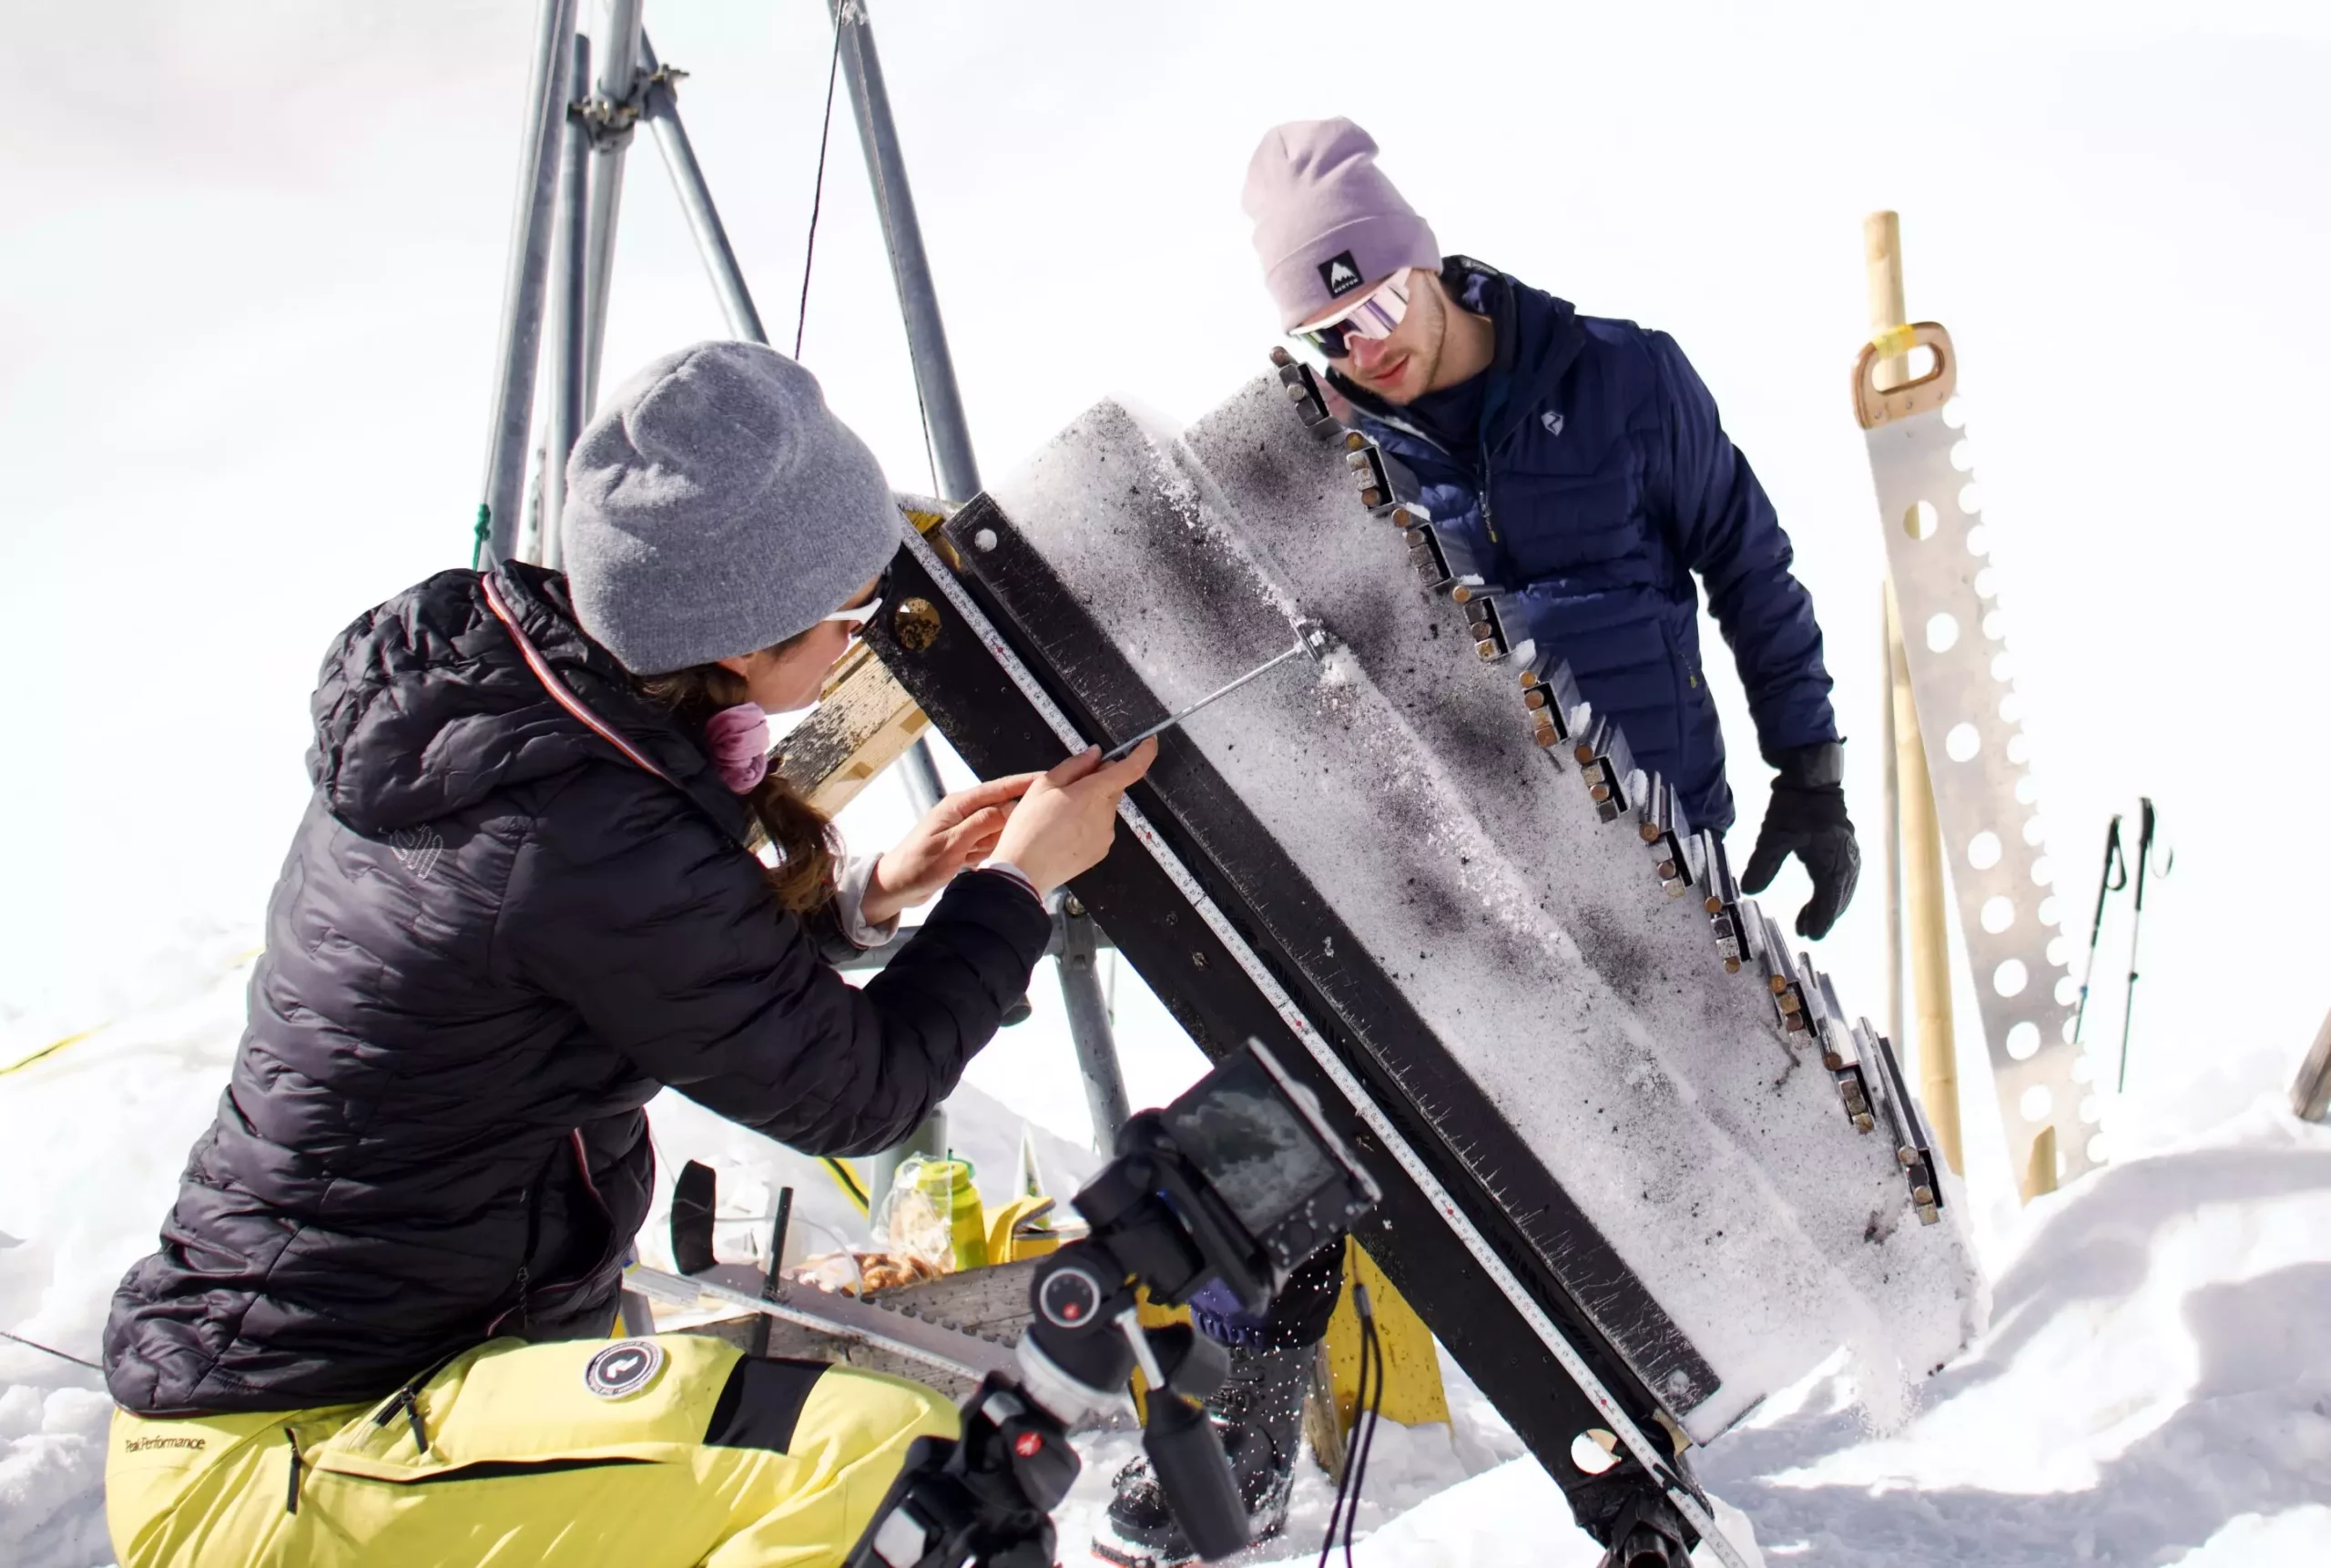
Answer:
(660, 1452)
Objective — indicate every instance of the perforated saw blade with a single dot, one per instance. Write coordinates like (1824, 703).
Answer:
(1955, 638)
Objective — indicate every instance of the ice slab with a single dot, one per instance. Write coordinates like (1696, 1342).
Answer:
(1588, 1007)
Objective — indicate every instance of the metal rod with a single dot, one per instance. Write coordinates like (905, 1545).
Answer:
(663, 115)
(1123, 748)
(773, 1280)
(569, 325)
(617, 45)
(1088, 1021)
(934, 369)
(521, 288)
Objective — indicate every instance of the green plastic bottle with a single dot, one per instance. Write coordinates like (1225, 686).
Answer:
(952, 1187)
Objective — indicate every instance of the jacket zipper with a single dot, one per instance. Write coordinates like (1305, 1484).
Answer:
(523, 1306)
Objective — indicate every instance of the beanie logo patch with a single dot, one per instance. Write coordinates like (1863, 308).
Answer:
(1341, 273)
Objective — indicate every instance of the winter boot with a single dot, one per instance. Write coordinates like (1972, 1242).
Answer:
(1625, 1510)
(1258, 1410)
(1646, 1533)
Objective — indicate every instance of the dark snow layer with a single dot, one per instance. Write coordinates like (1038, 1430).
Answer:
(1533, 939)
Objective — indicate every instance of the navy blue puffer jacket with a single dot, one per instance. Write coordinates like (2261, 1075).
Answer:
(1601, 482)
(494, 939)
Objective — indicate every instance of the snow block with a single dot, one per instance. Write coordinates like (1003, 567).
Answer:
(1570, 1023)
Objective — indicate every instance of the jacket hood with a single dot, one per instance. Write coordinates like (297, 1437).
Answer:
(1538, 340)
(425, 705)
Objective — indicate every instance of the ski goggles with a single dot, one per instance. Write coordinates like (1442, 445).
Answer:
(1373, 318)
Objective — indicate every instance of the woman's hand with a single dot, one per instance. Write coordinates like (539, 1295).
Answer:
(1063, 824)
(960, 832)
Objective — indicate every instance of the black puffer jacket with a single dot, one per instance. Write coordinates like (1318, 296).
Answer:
(494, 938)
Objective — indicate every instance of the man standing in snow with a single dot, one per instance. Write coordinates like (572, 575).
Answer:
(1577, 463)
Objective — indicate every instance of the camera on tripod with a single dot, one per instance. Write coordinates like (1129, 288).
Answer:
(1239, 1180)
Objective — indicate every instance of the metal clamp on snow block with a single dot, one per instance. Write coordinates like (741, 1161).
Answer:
(1426, 553)
(1550, 697)
(1366, 461)
(1477, 599)
(1922, 394)
(1659, 821)
(1912, 1146)
(1720, 897)
(1607, 764)
(1780, 976)
(1828, 1022)
(1302, 388)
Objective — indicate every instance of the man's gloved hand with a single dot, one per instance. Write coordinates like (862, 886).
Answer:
(1807, 818)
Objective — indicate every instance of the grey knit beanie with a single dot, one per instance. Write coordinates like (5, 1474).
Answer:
(718, 507)
(1328, 223)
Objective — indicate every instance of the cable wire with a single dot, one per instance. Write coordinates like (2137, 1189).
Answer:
(818, 192)
(50, 1350)
(1368, 1402)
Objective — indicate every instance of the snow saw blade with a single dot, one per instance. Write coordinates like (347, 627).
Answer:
(876, 1324)
(1954, 640)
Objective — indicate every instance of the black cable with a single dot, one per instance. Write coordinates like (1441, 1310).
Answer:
(1368, 1405)
(1371, 1348)
(1343, 1486)
(818, 192)
(50, 1350)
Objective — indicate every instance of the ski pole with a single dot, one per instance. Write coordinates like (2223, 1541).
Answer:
(2136, 924)
(2114, 877)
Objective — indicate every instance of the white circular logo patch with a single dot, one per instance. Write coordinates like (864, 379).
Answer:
(624, 1368)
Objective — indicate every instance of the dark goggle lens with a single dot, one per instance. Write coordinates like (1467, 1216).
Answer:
(1375, 317)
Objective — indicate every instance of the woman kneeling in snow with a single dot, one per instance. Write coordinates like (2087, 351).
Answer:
(523, 899)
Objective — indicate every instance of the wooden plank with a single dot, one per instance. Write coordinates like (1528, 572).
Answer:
(864, 720)
(864, 723)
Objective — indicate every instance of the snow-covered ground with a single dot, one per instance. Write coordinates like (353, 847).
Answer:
(2155, 1389)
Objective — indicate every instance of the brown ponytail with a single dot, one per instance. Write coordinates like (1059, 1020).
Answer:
(803, 877)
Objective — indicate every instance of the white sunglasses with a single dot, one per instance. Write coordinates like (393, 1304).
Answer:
(857, 614)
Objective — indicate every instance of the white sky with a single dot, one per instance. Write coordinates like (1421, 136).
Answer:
(252, 258)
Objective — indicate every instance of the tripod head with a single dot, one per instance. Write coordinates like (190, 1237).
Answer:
(1239, 1180)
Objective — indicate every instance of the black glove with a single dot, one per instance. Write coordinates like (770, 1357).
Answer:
(1807, 818)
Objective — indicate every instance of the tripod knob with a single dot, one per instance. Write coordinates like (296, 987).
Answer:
(1071, 1297)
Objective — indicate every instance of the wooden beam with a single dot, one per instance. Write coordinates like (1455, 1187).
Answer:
(1934, 1038)
(863, 723)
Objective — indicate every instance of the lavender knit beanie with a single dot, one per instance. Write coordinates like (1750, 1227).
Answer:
(1327, 224)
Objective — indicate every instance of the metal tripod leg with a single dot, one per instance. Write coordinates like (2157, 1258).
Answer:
(663, 115)
(570, 329)
(522, 288)
(1078, 940)
(617, 41)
